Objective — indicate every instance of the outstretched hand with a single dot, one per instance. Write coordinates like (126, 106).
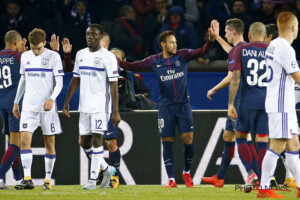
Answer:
(54, 44)
(67, 47)
(214, 29)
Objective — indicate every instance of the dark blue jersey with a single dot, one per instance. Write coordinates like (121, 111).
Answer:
(231, 62)
(250, 59)
(9, 77)
(170, 72)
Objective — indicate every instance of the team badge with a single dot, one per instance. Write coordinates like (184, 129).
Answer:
(294, 64)
(43, 74)
(24, 125)
(94, 74)
(97, 61)
(178, 63)
(45, 62)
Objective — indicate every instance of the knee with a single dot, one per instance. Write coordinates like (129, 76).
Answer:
(188, 138)
(111, 145)
(97, 140)
(228, 136)
(262, 138)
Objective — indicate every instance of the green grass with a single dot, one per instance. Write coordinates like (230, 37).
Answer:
(139, 192)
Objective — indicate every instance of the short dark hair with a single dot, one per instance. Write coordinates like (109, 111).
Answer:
(236, 24)
(17, 2)
(97, 26)
(163, 36)
(12, 36)
(124, 10)
(272, 30)
(36, 36)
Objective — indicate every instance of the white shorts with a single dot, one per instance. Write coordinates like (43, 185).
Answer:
(93, 123)
(283, 125)
(49, 122)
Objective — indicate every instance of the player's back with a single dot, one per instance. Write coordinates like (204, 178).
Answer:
(253, 75)
(9, 77)
(281, 62)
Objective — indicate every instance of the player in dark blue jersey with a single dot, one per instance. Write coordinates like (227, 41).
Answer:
(171, 67)
(234, 33)
(9, 79)
(249, 71)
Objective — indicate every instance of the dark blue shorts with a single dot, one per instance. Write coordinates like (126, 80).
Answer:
(10, 123)
(254, 121)
(179, 115)
(230, 125)
(112, 131)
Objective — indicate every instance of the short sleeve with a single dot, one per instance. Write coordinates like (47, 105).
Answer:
(22, 66)
(289, 61)
(111, 66)
(234, 62)
(57, 67)
(76, 66)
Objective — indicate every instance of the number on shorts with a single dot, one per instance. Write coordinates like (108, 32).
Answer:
(98, 124)
(161, 123)
(52, 127)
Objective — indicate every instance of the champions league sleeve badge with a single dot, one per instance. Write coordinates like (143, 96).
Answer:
(97, 61)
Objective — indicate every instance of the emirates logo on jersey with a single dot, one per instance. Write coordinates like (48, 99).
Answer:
(97, 61)
(45, 62)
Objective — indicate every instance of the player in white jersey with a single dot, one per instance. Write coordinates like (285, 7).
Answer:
(283, 71)
(41, 80)
(97, 73)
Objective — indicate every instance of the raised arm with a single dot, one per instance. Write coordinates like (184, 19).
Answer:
(144, 65)
(214, 31)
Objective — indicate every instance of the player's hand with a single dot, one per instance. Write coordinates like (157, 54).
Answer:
(67, 47)
(66, 110)
(54, 44)
(48, 105)
(210, 93)
(24, 47)
(214, 29)
(116, 118)
(16, 111)
(232, 112)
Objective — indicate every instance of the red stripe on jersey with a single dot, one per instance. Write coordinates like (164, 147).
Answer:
(174, 86)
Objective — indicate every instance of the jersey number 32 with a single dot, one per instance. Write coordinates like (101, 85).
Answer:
(255, 78)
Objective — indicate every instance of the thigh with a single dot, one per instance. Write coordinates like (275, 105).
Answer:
(282, 125)
(85, 124)
(230, 125)
(243, 123)
(184, 119)
(112, 131)
(5, 121)
(50, 123)
(99, 122)
(29, 121)
(14, 123)
(166, 122)
(260, 123)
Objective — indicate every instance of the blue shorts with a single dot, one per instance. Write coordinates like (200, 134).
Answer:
(230, 125)
(10, 123)
(254, 121)
(112, 131)
(179, 115)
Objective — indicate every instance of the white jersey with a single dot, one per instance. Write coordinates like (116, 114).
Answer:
(39, 74)
(281, 63)
(96, 70)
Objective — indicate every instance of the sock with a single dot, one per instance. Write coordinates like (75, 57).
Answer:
(88, 153)
(49, 165)
(293, 163)
(26, 158)
(245, 154)
(268, 168)
(288, 173)
(188, 157)
(254, 158)
(115, 158)
(97, 157)
(8, 158)
(227, 156)
(16, 167)
(168, 158)
(262, 149)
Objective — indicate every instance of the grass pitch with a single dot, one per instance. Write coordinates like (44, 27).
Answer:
(136, 192)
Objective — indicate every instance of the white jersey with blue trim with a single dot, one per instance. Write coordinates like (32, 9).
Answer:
(96, 70)
(281, 63)
(39, 74)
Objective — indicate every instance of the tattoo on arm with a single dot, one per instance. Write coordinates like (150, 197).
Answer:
(234, 86)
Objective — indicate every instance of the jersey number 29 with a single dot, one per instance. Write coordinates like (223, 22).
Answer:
(5, 73)
(254, 78)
